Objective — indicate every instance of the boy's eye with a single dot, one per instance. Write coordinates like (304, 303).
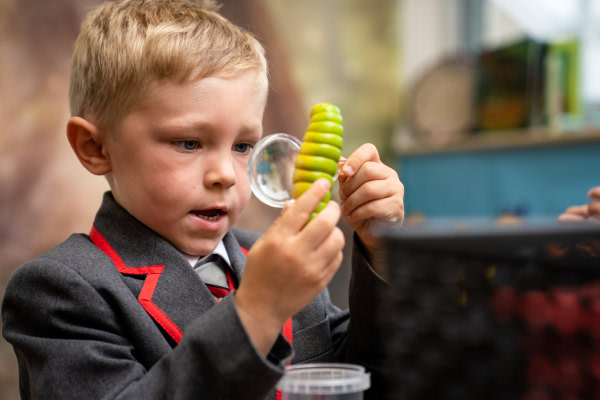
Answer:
(242, 147)
(187, 145)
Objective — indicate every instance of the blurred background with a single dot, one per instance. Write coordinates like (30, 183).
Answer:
(484, 107)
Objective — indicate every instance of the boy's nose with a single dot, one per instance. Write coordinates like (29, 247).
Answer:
(220, 171)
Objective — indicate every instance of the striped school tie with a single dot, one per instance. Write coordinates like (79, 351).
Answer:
(214, 272)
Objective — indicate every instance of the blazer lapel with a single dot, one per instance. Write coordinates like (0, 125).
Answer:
(180, 293)
(157, 274)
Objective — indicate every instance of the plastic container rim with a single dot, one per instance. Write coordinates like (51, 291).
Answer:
(319, 378)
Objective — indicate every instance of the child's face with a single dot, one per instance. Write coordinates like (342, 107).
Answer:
(179, 162)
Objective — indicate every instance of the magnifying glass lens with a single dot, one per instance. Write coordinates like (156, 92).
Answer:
(271, 168)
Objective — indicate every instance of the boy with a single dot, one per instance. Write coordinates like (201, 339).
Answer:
(167, 100)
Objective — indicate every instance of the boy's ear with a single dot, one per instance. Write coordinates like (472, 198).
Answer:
(86, 141)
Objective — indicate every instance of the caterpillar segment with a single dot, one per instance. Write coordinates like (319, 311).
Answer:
(320, 151)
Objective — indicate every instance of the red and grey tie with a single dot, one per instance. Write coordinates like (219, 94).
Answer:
(214, 272)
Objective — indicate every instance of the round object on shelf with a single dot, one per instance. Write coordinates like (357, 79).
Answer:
(442, 103)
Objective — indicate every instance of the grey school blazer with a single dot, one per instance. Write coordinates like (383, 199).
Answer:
(132, 320)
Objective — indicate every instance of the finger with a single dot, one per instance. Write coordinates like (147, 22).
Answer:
(321, 226)
(298, 212)
(594, 210)
(577, 210)
(326, 272)
(368, 191)
(330, 253)
(366, 152)
(333, 265)
(388, 210)
(594, 193)
(332, 244)
(369, 172)
(570, 218)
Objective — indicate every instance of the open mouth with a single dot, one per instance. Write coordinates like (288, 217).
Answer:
(209, 215)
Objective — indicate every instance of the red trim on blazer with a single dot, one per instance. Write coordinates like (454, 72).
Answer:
(288, 334)
(288, 331)
(145, 296)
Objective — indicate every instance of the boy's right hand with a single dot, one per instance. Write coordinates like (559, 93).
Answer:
(289, 265)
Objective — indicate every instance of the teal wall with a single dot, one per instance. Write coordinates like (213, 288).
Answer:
(534, 181)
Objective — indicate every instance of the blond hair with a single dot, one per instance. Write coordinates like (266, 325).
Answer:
(126, 44)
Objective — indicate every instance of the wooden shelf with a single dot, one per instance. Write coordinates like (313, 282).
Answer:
(502, 140)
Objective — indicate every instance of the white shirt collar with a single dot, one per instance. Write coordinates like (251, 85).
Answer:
(220, 250)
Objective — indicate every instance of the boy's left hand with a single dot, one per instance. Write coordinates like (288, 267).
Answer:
(371, 195)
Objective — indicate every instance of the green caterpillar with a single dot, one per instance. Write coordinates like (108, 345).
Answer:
(320, 151)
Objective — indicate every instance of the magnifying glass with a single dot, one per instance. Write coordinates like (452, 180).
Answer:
(271, 168)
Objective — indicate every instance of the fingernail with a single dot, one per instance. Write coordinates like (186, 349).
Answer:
(324, 183)
(288, 204)
(348, 170)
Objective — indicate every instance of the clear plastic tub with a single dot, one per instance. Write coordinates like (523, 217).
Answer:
(324, 382)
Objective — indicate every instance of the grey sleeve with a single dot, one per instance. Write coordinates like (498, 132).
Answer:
(366, 288)
(365, 341)
(71, 341)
